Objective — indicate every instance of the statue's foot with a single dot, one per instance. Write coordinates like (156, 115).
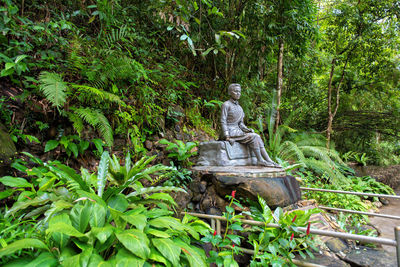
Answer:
(265, 163)
(268, 164)
(276, 165)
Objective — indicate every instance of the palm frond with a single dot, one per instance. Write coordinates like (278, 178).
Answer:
(53, 87)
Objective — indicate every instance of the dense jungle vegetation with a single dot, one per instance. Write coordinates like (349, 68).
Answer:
(120, 89)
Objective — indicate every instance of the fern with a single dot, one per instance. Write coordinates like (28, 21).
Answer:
(92, 93)
(98, 121)
(77, 122)
(53, 87)
(116, 35)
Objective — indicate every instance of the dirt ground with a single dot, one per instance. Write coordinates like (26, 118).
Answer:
(385, 225)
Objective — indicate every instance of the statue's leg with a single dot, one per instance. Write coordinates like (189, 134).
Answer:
(265, 154)
(267, 158)
(260, 160)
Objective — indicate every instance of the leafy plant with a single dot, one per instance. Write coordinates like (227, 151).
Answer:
(181, 152)
(226, 245)
(56, 91)
(277, 246)
(72, 144)
(97, 222)
(179, 176)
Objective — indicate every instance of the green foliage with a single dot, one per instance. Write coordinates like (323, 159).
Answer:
(97, 120)
(278, 245)
(181, 152)
(72, 144)
(364, 184)
(271, 245)
(54, 88)
(87, 217)
(179, 176)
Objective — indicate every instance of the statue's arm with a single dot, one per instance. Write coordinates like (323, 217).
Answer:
(224, 116)
(244, 128)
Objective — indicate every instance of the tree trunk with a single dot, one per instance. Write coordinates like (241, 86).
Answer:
(279, 83)
(332, 114)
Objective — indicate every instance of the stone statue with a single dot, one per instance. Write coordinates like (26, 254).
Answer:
(233, 128)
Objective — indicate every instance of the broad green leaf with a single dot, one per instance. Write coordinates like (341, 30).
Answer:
(157, 233)
(81, 260)
(98, 215)
(92, 196)
(102, 233)
(167, 222)
(98, 143)
(96, 260)
(60, 238)
(64, 228)
(45, 259)
(80, 215)
(74, 148)
(136, 242)
(83, 145)
(118, 202)
(163, 196)
(6, 193)
(235, 239)
(230, 261)
(20, 205)
(15, 181)
(168, 249)
(195, 256)
(138, 220)
(48, 184)
(125, 258)
(19, 58)
(50, 145)
(22, 244)
(155, 255)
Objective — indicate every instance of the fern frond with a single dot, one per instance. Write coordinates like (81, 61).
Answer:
(91, 93)
(116, 35)
(53, 87)
(98, 121)
(334, 175)
(290, 150)
(77, 122)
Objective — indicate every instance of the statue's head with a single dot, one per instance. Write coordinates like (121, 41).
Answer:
(234, 90)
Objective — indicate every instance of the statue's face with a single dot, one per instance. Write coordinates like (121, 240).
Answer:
(235, 92)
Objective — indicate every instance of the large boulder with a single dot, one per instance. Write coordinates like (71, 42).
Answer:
(272, 184)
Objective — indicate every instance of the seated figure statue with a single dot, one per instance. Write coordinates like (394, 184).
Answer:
(233, 128)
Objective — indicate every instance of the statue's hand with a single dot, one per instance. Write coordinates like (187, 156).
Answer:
(251, 131)
(231, 141)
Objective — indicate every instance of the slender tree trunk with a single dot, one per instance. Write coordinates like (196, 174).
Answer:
(332, 114)
(279, 83)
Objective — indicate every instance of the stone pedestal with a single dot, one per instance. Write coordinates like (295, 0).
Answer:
(272, 184)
